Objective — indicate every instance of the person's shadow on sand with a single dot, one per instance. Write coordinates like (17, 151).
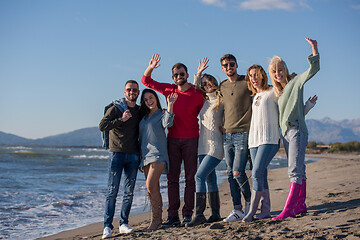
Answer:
(335, 206)
(331, 207)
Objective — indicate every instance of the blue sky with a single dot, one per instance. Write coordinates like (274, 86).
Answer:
(62, 61)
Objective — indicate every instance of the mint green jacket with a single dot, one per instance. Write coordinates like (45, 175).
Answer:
(291, 105)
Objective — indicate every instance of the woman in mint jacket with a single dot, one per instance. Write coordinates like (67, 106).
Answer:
(293, 127)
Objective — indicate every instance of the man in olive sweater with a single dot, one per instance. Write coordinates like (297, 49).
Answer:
(237, 117)
(123, 130)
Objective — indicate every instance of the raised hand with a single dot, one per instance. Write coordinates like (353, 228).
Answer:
(154, 61)
(313, 99)
(202, 65)
(313, 44)
(172, 98)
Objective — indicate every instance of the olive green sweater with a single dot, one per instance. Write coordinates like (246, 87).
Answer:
(237, 105)
(291, 105)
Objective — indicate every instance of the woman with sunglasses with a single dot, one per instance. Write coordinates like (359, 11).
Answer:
(293, 127)
(154, 155)
(210, 148)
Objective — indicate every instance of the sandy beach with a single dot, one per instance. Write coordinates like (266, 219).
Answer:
(333, 200)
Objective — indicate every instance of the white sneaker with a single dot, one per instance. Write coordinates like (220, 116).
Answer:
(234, 216)
(124, 228)
(106, 233)
(247, 207)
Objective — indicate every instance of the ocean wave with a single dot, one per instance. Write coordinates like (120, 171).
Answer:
(95, 150)
(84, 156)
(18, 147)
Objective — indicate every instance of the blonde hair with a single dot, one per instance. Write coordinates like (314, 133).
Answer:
(259, 72)
(278, 88)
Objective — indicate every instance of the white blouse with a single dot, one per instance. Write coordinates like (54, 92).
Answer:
(264, 127)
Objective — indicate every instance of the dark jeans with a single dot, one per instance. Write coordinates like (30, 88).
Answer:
(180, 149)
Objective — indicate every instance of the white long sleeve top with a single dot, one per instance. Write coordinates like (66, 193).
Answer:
(210, 138)
(264, 127)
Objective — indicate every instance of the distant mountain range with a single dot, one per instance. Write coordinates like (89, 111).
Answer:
(325, 130)
(83, 137)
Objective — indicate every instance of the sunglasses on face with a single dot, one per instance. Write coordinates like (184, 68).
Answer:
(205, 83)
(175, 75)
(232, 64)
(135, 90)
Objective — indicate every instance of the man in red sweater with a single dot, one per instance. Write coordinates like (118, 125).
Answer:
(182, 141)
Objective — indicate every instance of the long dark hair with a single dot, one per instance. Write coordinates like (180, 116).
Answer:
(143, 108)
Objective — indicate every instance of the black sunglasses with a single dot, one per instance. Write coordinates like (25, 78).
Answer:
(232, 64)
(205, 83)
(135, 90)
(175, 75)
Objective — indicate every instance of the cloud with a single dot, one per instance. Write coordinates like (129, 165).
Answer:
(303, 3)
(287, 5)
(218, 3)
(268, 5)
(356, 7)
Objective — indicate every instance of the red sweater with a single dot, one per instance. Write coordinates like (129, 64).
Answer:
(186, 108)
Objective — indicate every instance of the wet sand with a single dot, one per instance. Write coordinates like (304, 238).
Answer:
(333, 200)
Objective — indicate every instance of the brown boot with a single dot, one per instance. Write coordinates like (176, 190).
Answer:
(156, 209)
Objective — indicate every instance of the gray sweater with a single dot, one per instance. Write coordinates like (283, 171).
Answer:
(153, 142)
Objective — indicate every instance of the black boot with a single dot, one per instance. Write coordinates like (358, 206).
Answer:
(214, 202)
(199, 211)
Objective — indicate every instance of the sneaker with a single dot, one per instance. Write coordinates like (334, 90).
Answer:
(247, 207)
(106, 233)
(171, 221)
(234, 216)
(124, 228)
(186, 219)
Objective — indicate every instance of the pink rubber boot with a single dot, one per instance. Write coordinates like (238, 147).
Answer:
(301, 206)
(290, 203)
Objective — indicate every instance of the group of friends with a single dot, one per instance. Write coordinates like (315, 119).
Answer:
(241, 115)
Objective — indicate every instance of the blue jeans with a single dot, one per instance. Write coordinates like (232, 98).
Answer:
(295, 143)
(261, 157)
(206, 174)
(129, 162)
(236, 157)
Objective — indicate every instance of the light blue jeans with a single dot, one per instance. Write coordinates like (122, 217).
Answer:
(206, 174)
(295, 143)
(118, 162)
(261, 157)
(236, 157)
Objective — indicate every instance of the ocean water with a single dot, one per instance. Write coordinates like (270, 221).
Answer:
(44, 191)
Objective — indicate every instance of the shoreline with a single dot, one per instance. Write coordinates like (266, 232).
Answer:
(333, 199)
